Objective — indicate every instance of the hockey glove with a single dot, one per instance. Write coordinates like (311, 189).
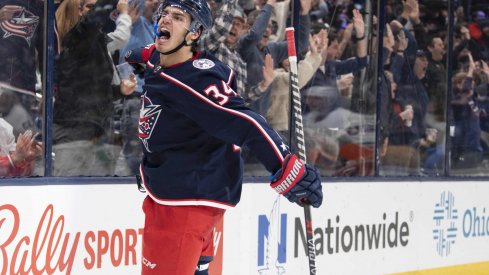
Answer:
(299, 183)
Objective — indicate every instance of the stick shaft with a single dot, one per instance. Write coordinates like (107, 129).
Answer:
(296, 124)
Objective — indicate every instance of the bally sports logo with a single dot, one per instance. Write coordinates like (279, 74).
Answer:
(52, 250)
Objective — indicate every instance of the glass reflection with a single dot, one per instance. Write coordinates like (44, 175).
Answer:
(21, 38)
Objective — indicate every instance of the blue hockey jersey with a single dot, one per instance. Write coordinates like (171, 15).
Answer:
(191, 124)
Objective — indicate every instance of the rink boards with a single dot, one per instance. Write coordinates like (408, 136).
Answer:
(361, 228)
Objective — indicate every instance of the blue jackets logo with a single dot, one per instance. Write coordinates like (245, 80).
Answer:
(148, 117)
(23, 24)
(445, 217)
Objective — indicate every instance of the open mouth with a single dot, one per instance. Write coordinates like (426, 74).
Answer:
(164, 34)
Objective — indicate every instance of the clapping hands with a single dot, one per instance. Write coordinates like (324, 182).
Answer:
(27, 148)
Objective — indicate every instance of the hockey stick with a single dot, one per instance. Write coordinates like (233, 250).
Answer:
(295, 122)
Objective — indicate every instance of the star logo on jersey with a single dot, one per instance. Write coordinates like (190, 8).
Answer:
(148, 116)
(203, 64)
(22, 24)
(284, 147)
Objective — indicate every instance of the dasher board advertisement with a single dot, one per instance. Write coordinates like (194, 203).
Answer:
(75, 229)
(361, 228)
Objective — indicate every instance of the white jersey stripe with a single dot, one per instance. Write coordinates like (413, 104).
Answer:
(182, 202)
(210, 102)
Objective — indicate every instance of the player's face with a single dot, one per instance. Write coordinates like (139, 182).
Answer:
(173, 26)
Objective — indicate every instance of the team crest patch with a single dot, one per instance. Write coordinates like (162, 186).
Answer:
(203, 64)
(148, 118)
(22, 24)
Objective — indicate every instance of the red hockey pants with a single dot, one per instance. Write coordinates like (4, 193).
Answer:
(176, 237)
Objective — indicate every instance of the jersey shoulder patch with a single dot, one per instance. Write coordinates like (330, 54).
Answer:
(203, 63)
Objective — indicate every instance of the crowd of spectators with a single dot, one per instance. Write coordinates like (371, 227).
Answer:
(95, 118)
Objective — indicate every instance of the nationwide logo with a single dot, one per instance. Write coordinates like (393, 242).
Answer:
(445, 217)
(332, 236)
(272, 241)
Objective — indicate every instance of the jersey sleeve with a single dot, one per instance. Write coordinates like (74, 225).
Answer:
(138, 58)
(214, 105)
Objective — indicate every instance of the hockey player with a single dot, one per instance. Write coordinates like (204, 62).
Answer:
(191, 124)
